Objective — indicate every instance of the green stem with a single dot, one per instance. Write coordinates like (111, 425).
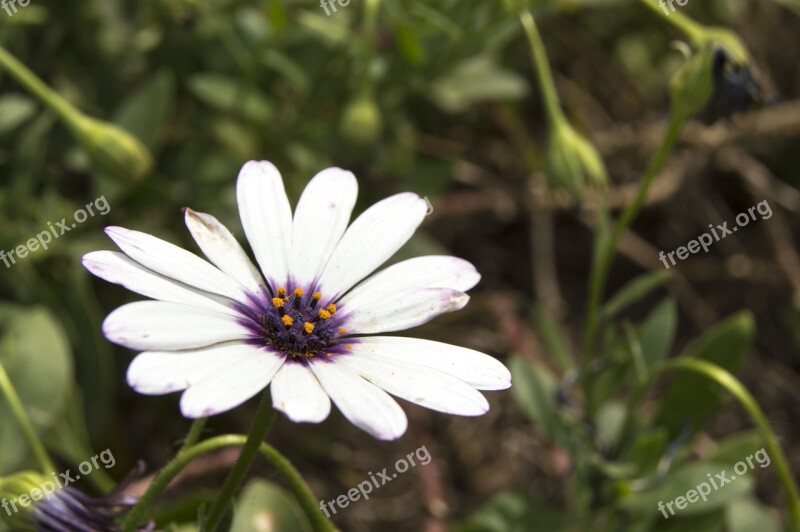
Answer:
(693, 30)
(601, 265)
(18, 411)
(194, 433)
(258, 432)
(737, 389)
(293, 479)
(37, 87)
(552, 105)
(299, 488)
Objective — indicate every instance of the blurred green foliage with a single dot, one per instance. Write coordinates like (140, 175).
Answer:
(205, 85)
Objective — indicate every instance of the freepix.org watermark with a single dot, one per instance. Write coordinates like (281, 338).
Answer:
(10, 6)
(61, 480)
(719, 232)
(719, 480)
(43, 239)
(377, 480)
(663, 4)
(332, 3)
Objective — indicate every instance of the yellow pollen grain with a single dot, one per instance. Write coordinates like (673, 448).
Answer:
(331, 308)
(309, 327)
(278, 302)
(298, 291)
(342, 330)
(317, 296)
(309, 355)
(328, 355)
(281, 291)
(349, 347)
(287, 320)
(324, 314)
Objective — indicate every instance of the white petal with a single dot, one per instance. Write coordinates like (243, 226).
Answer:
(371, 240)
(155, 325)
(297, 392)
(119, 269)
(473, 367)
(174, 262)
(424, 386)
(223, 250)
(320, 220)
(231, 386)
(403, 311)
(365, 405)
(420, 272)
(266, 218)
(162, 372)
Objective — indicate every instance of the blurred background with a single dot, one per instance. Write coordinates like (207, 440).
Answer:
(439, 98)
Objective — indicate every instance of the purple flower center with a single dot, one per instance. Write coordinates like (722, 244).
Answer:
(296, 324)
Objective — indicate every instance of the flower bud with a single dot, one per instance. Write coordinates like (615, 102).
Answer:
(572, 162)
(16, 499)
(692, 85)
(715, 83)
(362, 122)
(112, 149)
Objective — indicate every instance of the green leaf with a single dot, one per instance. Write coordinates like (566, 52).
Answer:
(475, 80)
(658, 333)
(680, 482)
(264, 507)
(69, 438)
(693, 398)
(534, 390)
(648, 449)
(228, 94)
(35, 353)
(748, 515)
(738, 447)
(15, 109)
(610, 420)
(146, 113)
(518, 512)
(633, 292)
(553, 338)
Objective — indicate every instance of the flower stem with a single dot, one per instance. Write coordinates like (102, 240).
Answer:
(737, 389)
(293, 479)
(18, 411)
(552, 105)
(693, 30)
(602, 264)
(298, 486)
(258, 432)
(37, 87)
(194, 433)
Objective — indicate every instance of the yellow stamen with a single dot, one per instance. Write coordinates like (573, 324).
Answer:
(324, 314)
(278, 302)
(309, 327)
(328, 355)
(349, 347)
(287, 320)
(317, 296)
(342, 330)
(298, 292)
(309, 355)
(331, 308)
(281, 291)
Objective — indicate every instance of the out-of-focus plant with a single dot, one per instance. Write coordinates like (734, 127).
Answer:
(572, 162)
(624, 464)
(114, 150)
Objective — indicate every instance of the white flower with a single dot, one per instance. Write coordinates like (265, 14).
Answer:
(221, 333)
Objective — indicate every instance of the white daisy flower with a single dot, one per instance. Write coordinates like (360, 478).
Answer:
(303, 322)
